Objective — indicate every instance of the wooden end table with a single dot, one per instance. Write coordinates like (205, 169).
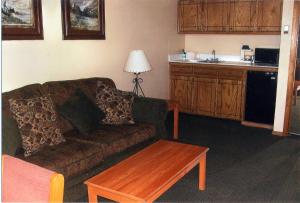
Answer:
(174, 106)
(146, 175)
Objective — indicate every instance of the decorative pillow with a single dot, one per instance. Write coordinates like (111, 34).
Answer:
(81, 112)
(37, 122)
(116, 104)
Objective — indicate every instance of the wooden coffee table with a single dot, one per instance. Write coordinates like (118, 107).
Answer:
(146, 175)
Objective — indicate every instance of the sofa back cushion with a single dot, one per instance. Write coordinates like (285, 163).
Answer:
(61, 91)
(11, 141)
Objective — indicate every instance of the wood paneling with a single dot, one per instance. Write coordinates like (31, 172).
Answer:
(230, 16)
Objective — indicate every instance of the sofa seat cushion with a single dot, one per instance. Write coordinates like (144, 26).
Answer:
(115, 138)
(69, 158)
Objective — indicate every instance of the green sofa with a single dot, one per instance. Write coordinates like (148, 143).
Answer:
(83, 156)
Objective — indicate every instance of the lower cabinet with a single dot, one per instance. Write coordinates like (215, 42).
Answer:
(204, 96)
(209, 91)
(229, 100)
(181, 91)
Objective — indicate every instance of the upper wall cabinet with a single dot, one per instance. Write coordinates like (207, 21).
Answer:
(230, 16)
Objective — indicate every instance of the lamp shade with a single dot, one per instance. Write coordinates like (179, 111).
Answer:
(137, 62)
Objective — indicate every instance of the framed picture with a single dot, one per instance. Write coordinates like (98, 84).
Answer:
(21, 19)
(83, 19)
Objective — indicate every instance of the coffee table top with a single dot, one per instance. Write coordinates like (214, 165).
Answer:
(145, 173)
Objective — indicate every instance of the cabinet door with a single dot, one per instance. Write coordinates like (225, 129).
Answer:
(243, 16)
(218, 13)
(181, 91)
(188, 16)
(204, 96)
(229, 99)
(269, 15)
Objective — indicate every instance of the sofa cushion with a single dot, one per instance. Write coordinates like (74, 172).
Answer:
(61, 91)
(116, 104)
(10, 133)
(11, 137)
(81, 112)
(116, 138)
(37, 122)
(69, 158)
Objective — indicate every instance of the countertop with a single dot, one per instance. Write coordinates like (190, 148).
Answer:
(232, 64)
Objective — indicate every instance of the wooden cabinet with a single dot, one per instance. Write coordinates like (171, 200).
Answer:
(181, 91)
(243, 16)
(188, 19)
(229, 101)
(230, 16)
(217, 14)
(208, 90)
(204, 96)
(269, 15)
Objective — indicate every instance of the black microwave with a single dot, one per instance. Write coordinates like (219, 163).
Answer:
(266, 56)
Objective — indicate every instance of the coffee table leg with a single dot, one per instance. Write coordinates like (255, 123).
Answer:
(92, 195)
(202, 172)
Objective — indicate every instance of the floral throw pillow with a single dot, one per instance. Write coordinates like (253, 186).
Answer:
(38, 123)
(116, 104)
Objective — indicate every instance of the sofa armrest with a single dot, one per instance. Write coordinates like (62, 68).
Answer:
(153, 111)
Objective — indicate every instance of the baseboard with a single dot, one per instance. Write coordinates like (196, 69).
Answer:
(257, 125)
(277, 133)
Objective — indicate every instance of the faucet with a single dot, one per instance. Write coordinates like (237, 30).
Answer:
(214, 54)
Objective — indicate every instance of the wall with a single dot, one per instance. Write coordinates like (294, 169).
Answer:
(229, 44)
(130, 24)
(284, 63)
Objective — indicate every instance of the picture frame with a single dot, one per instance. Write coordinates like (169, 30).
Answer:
(22, 20)
(83, 19)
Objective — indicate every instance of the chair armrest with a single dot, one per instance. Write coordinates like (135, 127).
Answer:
(153, 111)
(26, 182)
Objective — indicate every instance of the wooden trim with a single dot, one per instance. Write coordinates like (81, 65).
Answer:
(257, 125)
(56, 188)
(292, 68)
(277, 133)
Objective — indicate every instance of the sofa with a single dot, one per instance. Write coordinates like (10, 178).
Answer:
(83, 156)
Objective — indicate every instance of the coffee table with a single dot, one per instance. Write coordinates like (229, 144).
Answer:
(146, 175)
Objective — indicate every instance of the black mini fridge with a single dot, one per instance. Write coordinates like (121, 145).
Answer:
(261, 97)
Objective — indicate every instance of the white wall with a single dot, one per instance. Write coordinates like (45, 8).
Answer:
(284, 63)
(228, 44)
(130, 24)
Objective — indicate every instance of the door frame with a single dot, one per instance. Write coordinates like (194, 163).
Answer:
(292, 68)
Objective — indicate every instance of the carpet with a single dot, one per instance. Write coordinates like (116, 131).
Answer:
(243, 164)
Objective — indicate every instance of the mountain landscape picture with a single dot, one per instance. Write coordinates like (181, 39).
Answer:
(17, 13)
(84, 14)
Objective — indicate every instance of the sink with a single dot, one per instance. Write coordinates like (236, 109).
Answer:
(210, 61)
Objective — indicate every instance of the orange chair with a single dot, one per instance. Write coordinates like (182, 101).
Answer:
(26, 182)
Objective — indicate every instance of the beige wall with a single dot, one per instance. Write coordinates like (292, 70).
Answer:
(284, 63)
(130, 24)
(229, 44)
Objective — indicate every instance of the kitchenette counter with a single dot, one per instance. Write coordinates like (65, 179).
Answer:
(227, 64)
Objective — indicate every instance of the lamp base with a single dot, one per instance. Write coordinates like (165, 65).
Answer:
(137, 89)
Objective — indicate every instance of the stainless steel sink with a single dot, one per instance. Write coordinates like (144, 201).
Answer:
(210, 61)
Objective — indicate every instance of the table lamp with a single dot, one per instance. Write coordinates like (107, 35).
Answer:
(137, 63)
